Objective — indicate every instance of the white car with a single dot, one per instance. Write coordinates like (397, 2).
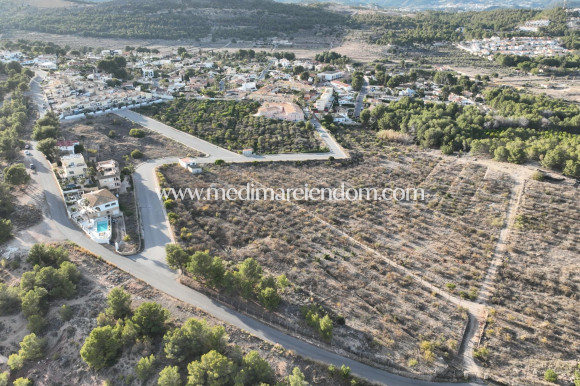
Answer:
(27, 152)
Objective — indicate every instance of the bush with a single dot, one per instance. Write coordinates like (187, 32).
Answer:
(269, 298)
(219, 162)
(137, 133)
(16, 174)
(169, 376)
(145, 367)
(101, 347)
(15, 362)
(22, 382)
(36, 324)
(345, 371)
(136, 154)
(9, 300)
(194, 338)
(150, 319)
(257, 371)
(5, 230)
(119, 302)
(4, 377)
(212, 369)
(65, 312)
(551, 376)
(45, 255)
(538, 176)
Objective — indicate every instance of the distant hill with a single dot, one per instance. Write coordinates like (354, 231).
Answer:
(471, 5)
(173, 19)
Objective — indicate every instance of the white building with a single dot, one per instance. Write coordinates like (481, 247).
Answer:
(324, 103)
(67, 146)
(330, 75)
(148, 73)
(108, 175)
(73, 165)
(190, 164)
(249, 86)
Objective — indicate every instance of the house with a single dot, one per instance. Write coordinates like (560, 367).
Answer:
(330, 75)
(67, 146)
(148, 73)
(108, 175)
(341, 86)
(407, 92)
(248, 86)
(190, 164)
(283, 111)
(100, 203)
(73, 165)
(324, 103)
(247, 152)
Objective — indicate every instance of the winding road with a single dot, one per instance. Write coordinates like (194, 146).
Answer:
(150, 266)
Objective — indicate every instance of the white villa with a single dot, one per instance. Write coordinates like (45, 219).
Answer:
(109, 175)
(73, 165)
(94, 213)
(326, 99)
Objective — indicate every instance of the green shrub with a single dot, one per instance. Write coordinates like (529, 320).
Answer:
(65, 312)
(145, 367)
(137, 133)
(136, 154)
(551, 376)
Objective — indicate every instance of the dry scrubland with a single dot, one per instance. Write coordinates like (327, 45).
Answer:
(336, 253)
(62, 363)
(535, 325)
(96, 133)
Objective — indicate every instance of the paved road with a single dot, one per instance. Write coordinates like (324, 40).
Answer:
(361, 97)
(216, 152)
(150, 267)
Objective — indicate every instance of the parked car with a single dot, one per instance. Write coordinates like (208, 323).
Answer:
(32, 167)
(27, 147)
(27, 152)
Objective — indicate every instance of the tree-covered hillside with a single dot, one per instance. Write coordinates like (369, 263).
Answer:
(174, 19)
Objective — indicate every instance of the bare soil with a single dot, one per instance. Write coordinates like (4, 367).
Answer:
(94, 134)
(448, 238)
(535, 324)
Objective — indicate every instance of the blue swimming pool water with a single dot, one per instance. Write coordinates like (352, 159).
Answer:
(102, 226)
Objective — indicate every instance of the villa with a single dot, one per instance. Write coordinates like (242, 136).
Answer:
(73, 165)
(94, 213)
(283, 111)
(108, 175)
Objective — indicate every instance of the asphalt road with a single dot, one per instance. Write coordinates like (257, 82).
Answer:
(150, 267)
(216, 152)
(361, 97)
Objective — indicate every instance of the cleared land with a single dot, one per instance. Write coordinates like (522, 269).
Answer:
(535, 324)
(336, 253)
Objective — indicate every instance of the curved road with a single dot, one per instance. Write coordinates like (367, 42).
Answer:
(150, 265)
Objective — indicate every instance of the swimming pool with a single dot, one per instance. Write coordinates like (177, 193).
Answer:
(102, 226)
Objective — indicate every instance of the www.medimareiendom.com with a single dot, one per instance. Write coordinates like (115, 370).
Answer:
(250, 192)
